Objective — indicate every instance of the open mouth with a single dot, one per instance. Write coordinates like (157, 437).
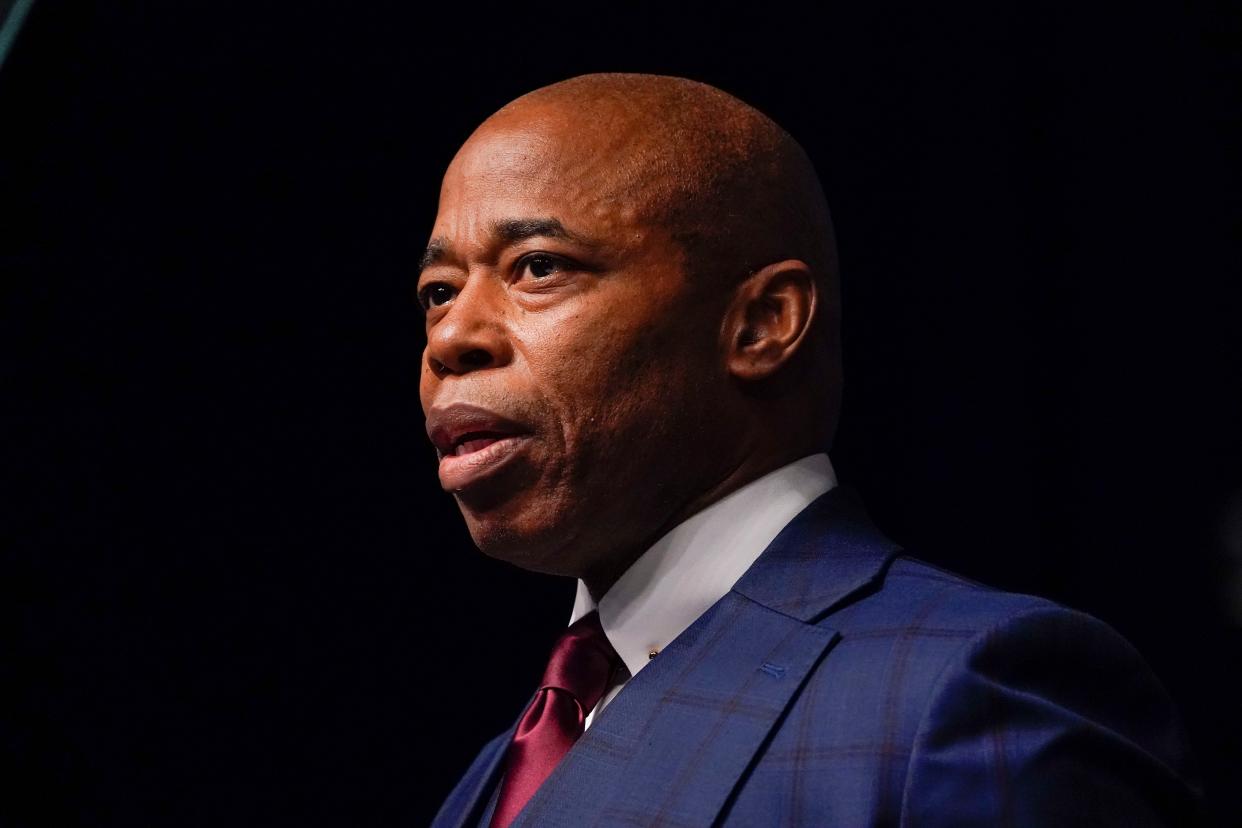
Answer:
(475, 441)
(478, 456)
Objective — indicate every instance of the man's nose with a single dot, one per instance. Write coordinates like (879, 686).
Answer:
(471, 335)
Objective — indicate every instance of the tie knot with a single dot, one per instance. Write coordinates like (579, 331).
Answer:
(582, 662)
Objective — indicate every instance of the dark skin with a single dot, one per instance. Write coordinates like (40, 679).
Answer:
(635, 391)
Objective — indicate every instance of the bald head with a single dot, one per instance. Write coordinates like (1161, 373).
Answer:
(733, 187)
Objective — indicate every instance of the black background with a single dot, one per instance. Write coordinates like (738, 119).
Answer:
(236, 594)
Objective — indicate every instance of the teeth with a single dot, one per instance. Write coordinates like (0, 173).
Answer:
(471, 446)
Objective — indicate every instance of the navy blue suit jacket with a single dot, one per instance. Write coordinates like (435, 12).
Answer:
(840, 683)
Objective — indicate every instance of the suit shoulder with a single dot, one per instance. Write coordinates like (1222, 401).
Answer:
(919, 593)
(947, 618)
(979, 684)
(1051, 701)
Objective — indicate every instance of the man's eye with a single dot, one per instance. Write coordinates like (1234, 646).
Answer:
(435, 294)
(542, 266)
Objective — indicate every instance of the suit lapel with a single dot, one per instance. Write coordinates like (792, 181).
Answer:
(676, 741)
(476, 790)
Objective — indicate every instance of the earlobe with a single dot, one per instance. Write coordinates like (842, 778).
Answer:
(769, 318)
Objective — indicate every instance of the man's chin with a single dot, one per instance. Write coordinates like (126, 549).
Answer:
(527, 538)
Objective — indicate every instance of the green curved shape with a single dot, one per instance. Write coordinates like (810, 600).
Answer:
(12, 25)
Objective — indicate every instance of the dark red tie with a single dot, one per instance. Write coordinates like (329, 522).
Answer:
(577, 676)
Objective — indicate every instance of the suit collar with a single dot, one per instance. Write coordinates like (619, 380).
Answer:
(826, 555)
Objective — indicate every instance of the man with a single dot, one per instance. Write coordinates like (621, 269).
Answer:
(632, 374)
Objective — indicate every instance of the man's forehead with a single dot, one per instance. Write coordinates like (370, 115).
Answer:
(507, 178)
(492, 152)
(537, 157)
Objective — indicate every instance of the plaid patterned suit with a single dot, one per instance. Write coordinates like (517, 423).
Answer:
(842, 684)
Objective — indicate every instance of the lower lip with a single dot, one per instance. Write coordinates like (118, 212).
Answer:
(457, 471)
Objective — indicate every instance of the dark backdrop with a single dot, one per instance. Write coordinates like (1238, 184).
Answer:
(236, 595)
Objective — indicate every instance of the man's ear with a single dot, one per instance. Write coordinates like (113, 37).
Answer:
(769, 317)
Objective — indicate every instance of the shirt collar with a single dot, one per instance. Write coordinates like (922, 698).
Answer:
(698, 561)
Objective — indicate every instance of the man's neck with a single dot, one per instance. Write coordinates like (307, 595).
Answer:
(599, 581)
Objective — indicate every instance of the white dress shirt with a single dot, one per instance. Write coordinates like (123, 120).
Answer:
(697, 562)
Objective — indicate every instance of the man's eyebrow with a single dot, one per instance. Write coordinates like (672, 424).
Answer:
(508, 231)
(436, 250)
(515, 230)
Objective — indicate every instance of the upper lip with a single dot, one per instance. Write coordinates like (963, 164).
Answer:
(448, 425)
